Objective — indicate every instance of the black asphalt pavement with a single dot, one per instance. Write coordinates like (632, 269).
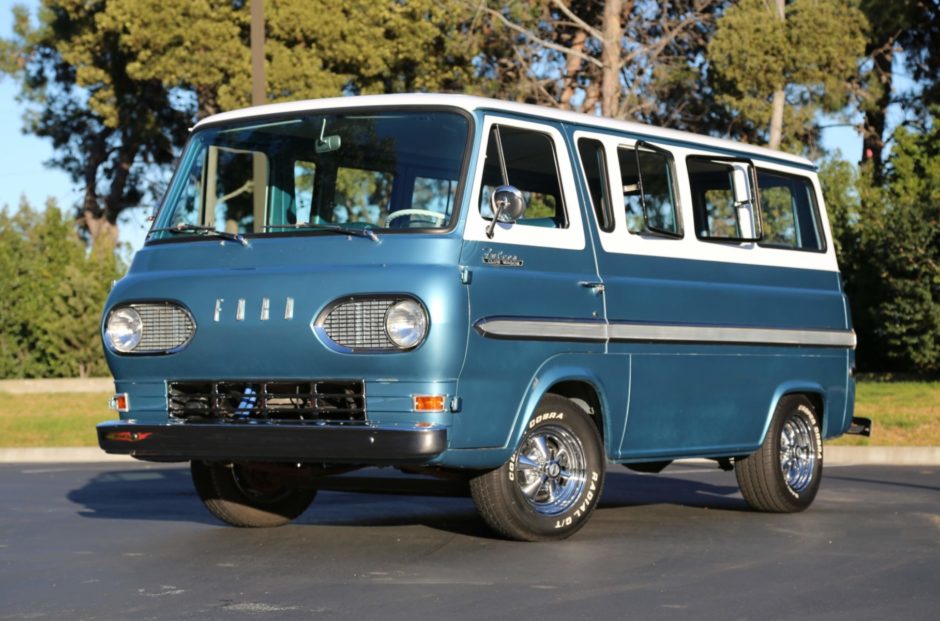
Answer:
(132, 541)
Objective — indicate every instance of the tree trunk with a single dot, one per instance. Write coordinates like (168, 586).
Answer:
(779, 100)
(610, 57)
(776, 120)
(573, 64)
(873, 132)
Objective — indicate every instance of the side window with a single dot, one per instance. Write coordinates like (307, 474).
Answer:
(594, 166)
(658, 191)
(723, 199)
(190, 204)
(532, 168)
(789, 213)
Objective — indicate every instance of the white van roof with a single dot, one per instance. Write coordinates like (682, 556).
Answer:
(471, 104)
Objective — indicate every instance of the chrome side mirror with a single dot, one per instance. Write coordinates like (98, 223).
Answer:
(507, 204)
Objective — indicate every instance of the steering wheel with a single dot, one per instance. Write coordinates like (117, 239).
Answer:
(427, 213)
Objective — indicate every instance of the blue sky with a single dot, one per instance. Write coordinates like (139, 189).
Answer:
(22, 172)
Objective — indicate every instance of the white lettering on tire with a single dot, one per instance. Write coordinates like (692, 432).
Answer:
(581, 511)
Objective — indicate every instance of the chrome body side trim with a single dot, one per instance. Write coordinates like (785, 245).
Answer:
(577, 330)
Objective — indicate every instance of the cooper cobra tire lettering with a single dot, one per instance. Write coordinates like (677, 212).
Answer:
(547, 416)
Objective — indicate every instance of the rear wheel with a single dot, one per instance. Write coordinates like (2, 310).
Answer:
(553, 481)
(246, 495)
(783, 475)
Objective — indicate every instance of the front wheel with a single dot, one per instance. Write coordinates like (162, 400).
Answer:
(783, 475)
(247, 495)
(553, 481)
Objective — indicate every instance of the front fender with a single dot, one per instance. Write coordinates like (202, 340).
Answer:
(607, 374)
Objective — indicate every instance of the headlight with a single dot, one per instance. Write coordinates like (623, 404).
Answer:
(124, 329)
(149, 328)
(372, 324)
(406, 323)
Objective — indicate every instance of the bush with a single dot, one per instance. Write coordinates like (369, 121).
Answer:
(52, 289)
(888, 239)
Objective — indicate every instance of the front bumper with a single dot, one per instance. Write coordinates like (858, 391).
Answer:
(353, 444)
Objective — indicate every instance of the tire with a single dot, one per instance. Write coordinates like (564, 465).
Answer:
(246, 496)
(551, 484)
(783, 475)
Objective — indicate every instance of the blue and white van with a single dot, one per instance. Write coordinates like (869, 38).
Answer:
(501, 292)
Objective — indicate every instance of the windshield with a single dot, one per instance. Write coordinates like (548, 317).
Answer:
(318, 172)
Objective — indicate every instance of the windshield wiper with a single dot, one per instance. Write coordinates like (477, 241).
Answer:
(208, 231)
(336, 228)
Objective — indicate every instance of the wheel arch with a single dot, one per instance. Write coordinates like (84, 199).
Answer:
(813, 391)
(585, 395)
(577, 382)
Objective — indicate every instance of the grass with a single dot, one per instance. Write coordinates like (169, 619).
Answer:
(904, 413)
(52, 419)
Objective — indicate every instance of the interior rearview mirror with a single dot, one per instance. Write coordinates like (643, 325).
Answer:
(328, 144)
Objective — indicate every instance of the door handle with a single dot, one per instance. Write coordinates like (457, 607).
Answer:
(597, 287)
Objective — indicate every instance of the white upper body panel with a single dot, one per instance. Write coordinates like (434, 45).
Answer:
(680, 143)
(472, 104)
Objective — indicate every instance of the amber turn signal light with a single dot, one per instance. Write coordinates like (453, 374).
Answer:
(120, 402)
(429, 403)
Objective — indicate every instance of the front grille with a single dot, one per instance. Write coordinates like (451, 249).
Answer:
(359, 324)
(336, 401)
(166, 327)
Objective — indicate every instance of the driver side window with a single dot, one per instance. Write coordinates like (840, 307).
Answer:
(531, 166)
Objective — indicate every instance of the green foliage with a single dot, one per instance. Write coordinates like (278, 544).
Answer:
(839, 180)
(115, 83)
(54, 287)
(105, 126)
(888, 238)
(812, 56)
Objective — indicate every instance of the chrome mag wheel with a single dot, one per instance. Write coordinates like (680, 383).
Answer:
(552, 470)
(551, 484)
(798, 452)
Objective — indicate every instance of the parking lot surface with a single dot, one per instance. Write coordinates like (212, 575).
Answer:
(132, 541)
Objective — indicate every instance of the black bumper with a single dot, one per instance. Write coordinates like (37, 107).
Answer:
(354, 444)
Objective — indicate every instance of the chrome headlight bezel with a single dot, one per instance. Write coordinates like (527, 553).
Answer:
(352, 324)
(161, 327)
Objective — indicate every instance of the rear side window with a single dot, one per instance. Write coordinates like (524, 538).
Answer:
(595, 175)
(789, 213)
(652, 172)
(532, 168)
(724, 199)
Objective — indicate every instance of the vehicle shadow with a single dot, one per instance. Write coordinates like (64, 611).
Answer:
(373, 498)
